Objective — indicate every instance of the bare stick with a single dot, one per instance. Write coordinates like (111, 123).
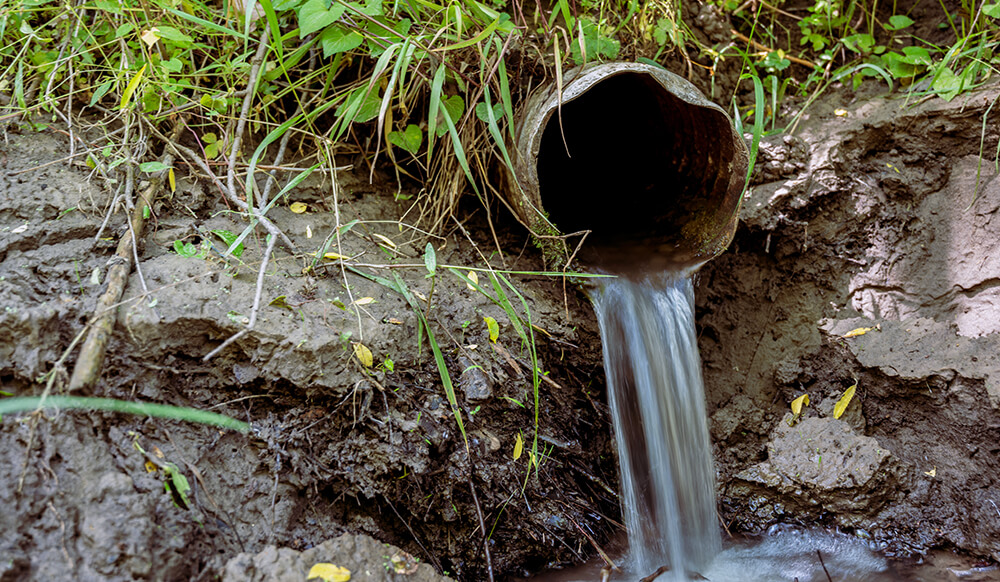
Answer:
(256, 303)
(241, 125)
(91, 359)
(821, 563)
(482, 526)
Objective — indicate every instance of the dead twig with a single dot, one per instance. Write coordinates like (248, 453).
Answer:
(256, 303)
(91, 358)
(482, 526)
(821, 563)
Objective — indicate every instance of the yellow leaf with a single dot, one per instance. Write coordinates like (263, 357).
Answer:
(474, 278)
(364, 300)
(840, 112)
(799, 402)
(931, 473)
(298, 207)
(131, 87)
(420, 296)
(334, 256)
(385, 240)
(518, 446)
(857, 332)
(364, 355)
(845, 399)
(150, 37)
(329, 573)
(494, 328)
(172, 180)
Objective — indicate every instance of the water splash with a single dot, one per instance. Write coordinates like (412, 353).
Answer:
(658, 404)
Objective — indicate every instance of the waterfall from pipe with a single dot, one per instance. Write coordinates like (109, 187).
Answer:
(658, 404)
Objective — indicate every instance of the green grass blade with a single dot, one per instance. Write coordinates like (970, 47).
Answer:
(207, 23)
(495, 132)
(486, 32)
(272, 24)
(758, 124)
(22, 404)
(449, 388)
(436, 84)
(508, 108)
(456, 143)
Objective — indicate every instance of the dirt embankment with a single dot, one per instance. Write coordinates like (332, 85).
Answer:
(336, 446)
(890, 226)
(874, 221)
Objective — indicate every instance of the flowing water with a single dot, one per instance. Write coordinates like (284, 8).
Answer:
(658, 404)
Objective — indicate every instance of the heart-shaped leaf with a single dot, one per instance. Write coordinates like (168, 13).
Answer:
(337, 40)
(409, 140)
(314, 15)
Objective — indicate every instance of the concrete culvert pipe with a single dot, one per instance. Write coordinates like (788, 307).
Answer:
(641, 159)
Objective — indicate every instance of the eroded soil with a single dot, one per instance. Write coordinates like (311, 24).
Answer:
(872, 219)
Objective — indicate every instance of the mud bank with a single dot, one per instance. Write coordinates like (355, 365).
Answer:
(336, 446)
(866, 220)
(881, 226)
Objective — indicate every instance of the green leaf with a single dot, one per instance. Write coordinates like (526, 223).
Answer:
(409, 140)
(177, 485)
(133, 84)
(22, 404)
(185, 249)
(597, 45)
(336, 40)
(899, 22)
(314, 16)
(483, 112)
(172, 65)
(455, 106)
(151, 167)
(229, 238)
(435, 103)
(493, 327)
(993, 10)
(100, 92)
(430, 259)
(370, 7)
(175, 36)
(947, 84)
(365, 106)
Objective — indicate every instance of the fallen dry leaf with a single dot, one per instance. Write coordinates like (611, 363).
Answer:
(329, 572)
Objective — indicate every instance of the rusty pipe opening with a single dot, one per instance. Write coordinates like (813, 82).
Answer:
(641, 159)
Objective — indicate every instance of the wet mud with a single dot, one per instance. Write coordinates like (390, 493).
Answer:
(883, 218)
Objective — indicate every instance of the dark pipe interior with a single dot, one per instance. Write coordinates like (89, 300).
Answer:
(642, 167)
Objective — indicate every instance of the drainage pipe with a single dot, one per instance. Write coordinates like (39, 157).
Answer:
(636, 155)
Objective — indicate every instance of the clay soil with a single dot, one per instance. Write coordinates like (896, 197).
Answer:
(879, 216)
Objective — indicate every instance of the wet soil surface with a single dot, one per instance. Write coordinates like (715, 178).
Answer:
(882, 218)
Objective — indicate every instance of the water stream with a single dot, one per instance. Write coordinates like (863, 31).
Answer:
(658, 405)
(668, 475)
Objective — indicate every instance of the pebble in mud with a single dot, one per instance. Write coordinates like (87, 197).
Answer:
(475, 383)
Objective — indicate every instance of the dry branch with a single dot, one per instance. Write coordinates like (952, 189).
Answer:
(91, 359)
